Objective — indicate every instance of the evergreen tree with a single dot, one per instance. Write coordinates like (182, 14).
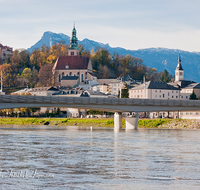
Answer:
(124, 91)
(193, 96)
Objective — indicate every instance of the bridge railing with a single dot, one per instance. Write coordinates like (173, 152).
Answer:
(103, 101)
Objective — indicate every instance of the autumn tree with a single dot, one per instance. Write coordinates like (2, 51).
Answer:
(9, 72)
(45, 75)
(31, 76)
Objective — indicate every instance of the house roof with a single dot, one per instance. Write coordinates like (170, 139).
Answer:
(193, 85)
(181, 84)
(73, 62)
(156, 85)
(95, 93)
(43, 89)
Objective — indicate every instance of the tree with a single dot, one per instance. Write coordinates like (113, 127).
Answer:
(31, 76)
(9, 74)
(165, 77)
(193, 96)
(45, 75)
(124, 91)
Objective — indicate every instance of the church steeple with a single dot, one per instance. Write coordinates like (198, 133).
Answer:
(73, 39)
(179, 70)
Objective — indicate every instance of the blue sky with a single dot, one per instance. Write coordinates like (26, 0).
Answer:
(131, 24)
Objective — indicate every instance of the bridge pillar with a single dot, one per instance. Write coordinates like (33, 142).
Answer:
(117, 120)
(132, 121)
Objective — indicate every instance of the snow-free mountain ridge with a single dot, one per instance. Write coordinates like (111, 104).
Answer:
(159, 58)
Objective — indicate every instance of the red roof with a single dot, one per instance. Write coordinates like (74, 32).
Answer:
(6, 47)
(74, 62)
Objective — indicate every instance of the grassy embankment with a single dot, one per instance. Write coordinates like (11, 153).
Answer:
(107, 122)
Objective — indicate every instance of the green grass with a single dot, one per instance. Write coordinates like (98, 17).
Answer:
(108, 122)
(95, 122)
(153, 123)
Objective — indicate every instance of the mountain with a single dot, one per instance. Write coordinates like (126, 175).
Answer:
(159, 58)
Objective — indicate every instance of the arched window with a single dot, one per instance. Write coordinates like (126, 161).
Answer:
(82, 77)
(67, 75)
(70, 74)
(74, 74)
(62, 74)
(59, 78)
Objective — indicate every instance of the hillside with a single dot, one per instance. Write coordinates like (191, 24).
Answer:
(159, 58)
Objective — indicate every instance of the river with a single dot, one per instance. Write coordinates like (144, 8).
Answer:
(40, 157)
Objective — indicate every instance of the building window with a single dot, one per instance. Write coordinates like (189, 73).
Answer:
(186, 97)
(59, 78)
(66, 66)
(172, 96)
(160, 90)
(172, 91)
(155, 96)
(176, 91)
(168, 94)
(72, 53)
(176, 96)
(74, 74)
(187, 113)
(163, 95)
(67, 75)
(155, 90)
(82, 77)
(160, 96)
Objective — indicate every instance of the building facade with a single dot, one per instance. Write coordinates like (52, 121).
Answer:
(5, 52)
(67, 68)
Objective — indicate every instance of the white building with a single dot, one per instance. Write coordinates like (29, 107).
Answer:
(180, 89)
(154, 90)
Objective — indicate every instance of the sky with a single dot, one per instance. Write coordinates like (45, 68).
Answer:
(130, 24)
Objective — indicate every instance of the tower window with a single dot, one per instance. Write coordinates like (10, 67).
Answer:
(72, 53)
(82, 77)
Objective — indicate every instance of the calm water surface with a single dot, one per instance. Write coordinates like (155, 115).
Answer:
(70, 158)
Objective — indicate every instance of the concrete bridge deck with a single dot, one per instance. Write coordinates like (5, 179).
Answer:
(105, 104)
(116, 105)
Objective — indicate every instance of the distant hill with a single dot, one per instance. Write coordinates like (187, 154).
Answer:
(159, 58)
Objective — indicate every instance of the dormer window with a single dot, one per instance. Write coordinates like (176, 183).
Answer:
(66, 66)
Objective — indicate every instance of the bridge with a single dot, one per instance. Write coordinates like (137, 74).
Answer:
(117, 105)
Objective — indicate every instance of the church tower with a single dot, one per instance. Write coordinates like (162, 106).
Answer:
(179, 70)
(73, 48)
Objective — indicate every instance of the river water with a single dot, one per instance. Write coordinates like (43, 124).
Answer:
(72, 158)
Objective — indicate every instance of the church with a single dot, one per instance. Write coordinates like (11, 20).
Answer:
(74, 69)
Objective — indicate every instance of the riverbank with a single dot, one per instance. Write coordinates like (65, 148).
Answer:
(104, 122)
